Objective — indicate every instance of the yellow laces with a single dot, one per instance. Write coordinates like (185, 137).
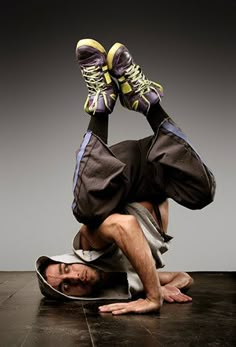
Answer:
(94, 79)
(141, 84)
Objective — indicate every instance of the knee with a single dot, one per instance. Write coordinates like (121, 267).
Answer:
(202, 193)
(207, 195)
(212, 190)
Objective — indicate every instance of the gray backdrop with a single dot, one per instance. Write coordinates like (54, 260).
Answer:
(189, 47)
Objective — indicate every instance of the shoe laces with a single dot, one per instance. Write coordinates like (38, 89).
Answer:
(93, 76)
(141, 83)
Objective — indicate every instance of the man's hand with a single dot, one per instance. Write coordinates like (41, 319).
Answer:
(137, 306)
(173, 294)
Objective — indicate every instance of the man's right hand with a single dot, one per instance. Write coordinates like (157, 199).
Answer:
(140, 306)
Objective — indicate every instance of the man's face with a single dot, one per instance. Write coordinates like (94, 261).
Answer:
(73, 279)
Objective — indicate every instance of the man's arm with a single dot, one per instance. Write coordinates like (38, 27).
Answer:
(124, 230)
(181, 280)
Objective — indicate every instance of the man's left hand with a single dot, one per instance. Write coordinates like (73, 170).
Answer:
(173, 294)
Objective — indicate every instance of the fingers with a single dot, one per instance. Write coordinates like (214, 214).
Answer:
(184, 298)
(137, 306)
(173, 294)
(113, 307)
(180, 297)
(143, 306)
(119, 308)
(168, 298)
(187, 298)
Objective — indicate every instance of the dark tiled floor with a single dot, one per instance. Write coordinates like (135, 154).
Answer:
(26, 319)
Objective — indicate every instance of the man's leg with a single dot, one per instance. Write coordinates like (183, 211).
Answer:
(100, 183)
(101, 180)
(185, 176)
(169, 166)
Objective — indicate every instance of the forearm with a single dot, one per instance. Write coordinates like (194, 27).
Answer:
(127, 234)
(180, 280)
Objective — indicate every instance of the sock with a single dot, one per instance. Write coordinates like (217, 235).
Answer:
(99, 126)
(155, 116)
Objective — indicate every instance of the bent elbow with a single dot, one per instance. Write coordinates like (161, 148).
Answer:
(189, 281)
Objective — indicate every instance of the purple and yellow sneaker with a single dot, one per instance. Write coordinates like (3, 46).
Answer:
(136, 91)
(102, 90)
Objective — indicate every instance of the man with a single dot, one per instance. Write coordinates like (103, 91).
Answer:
(121, 192)
(107, 274)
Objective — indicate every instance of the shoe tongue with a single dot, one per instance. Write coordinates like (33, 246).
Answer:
(87, 58)
(125, 56)
(124, 62)
(93, 62)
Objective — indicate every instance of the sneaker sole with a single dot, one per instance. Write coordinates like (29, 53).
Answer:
(111, 54)
(91, 43)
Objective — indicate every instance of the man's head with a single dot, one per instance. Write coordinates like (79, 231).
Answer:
(73, 279)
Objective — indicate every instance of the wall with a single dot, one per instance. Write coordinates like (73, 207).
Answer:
(189, 47)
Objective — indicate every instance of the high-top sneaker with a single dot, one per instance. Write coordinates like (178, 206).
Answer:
(102, 90)
(136, 91)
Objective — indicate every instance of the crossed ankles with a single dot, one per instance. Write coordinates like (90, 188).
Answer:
(108, 75)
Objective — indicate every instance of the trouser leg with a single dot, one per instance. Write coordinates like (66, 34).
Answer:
(161, 166)
(100, 183)
(177, 167)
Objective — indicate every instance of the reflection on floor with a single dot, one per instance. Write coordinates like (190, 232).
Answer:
(26, 319)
